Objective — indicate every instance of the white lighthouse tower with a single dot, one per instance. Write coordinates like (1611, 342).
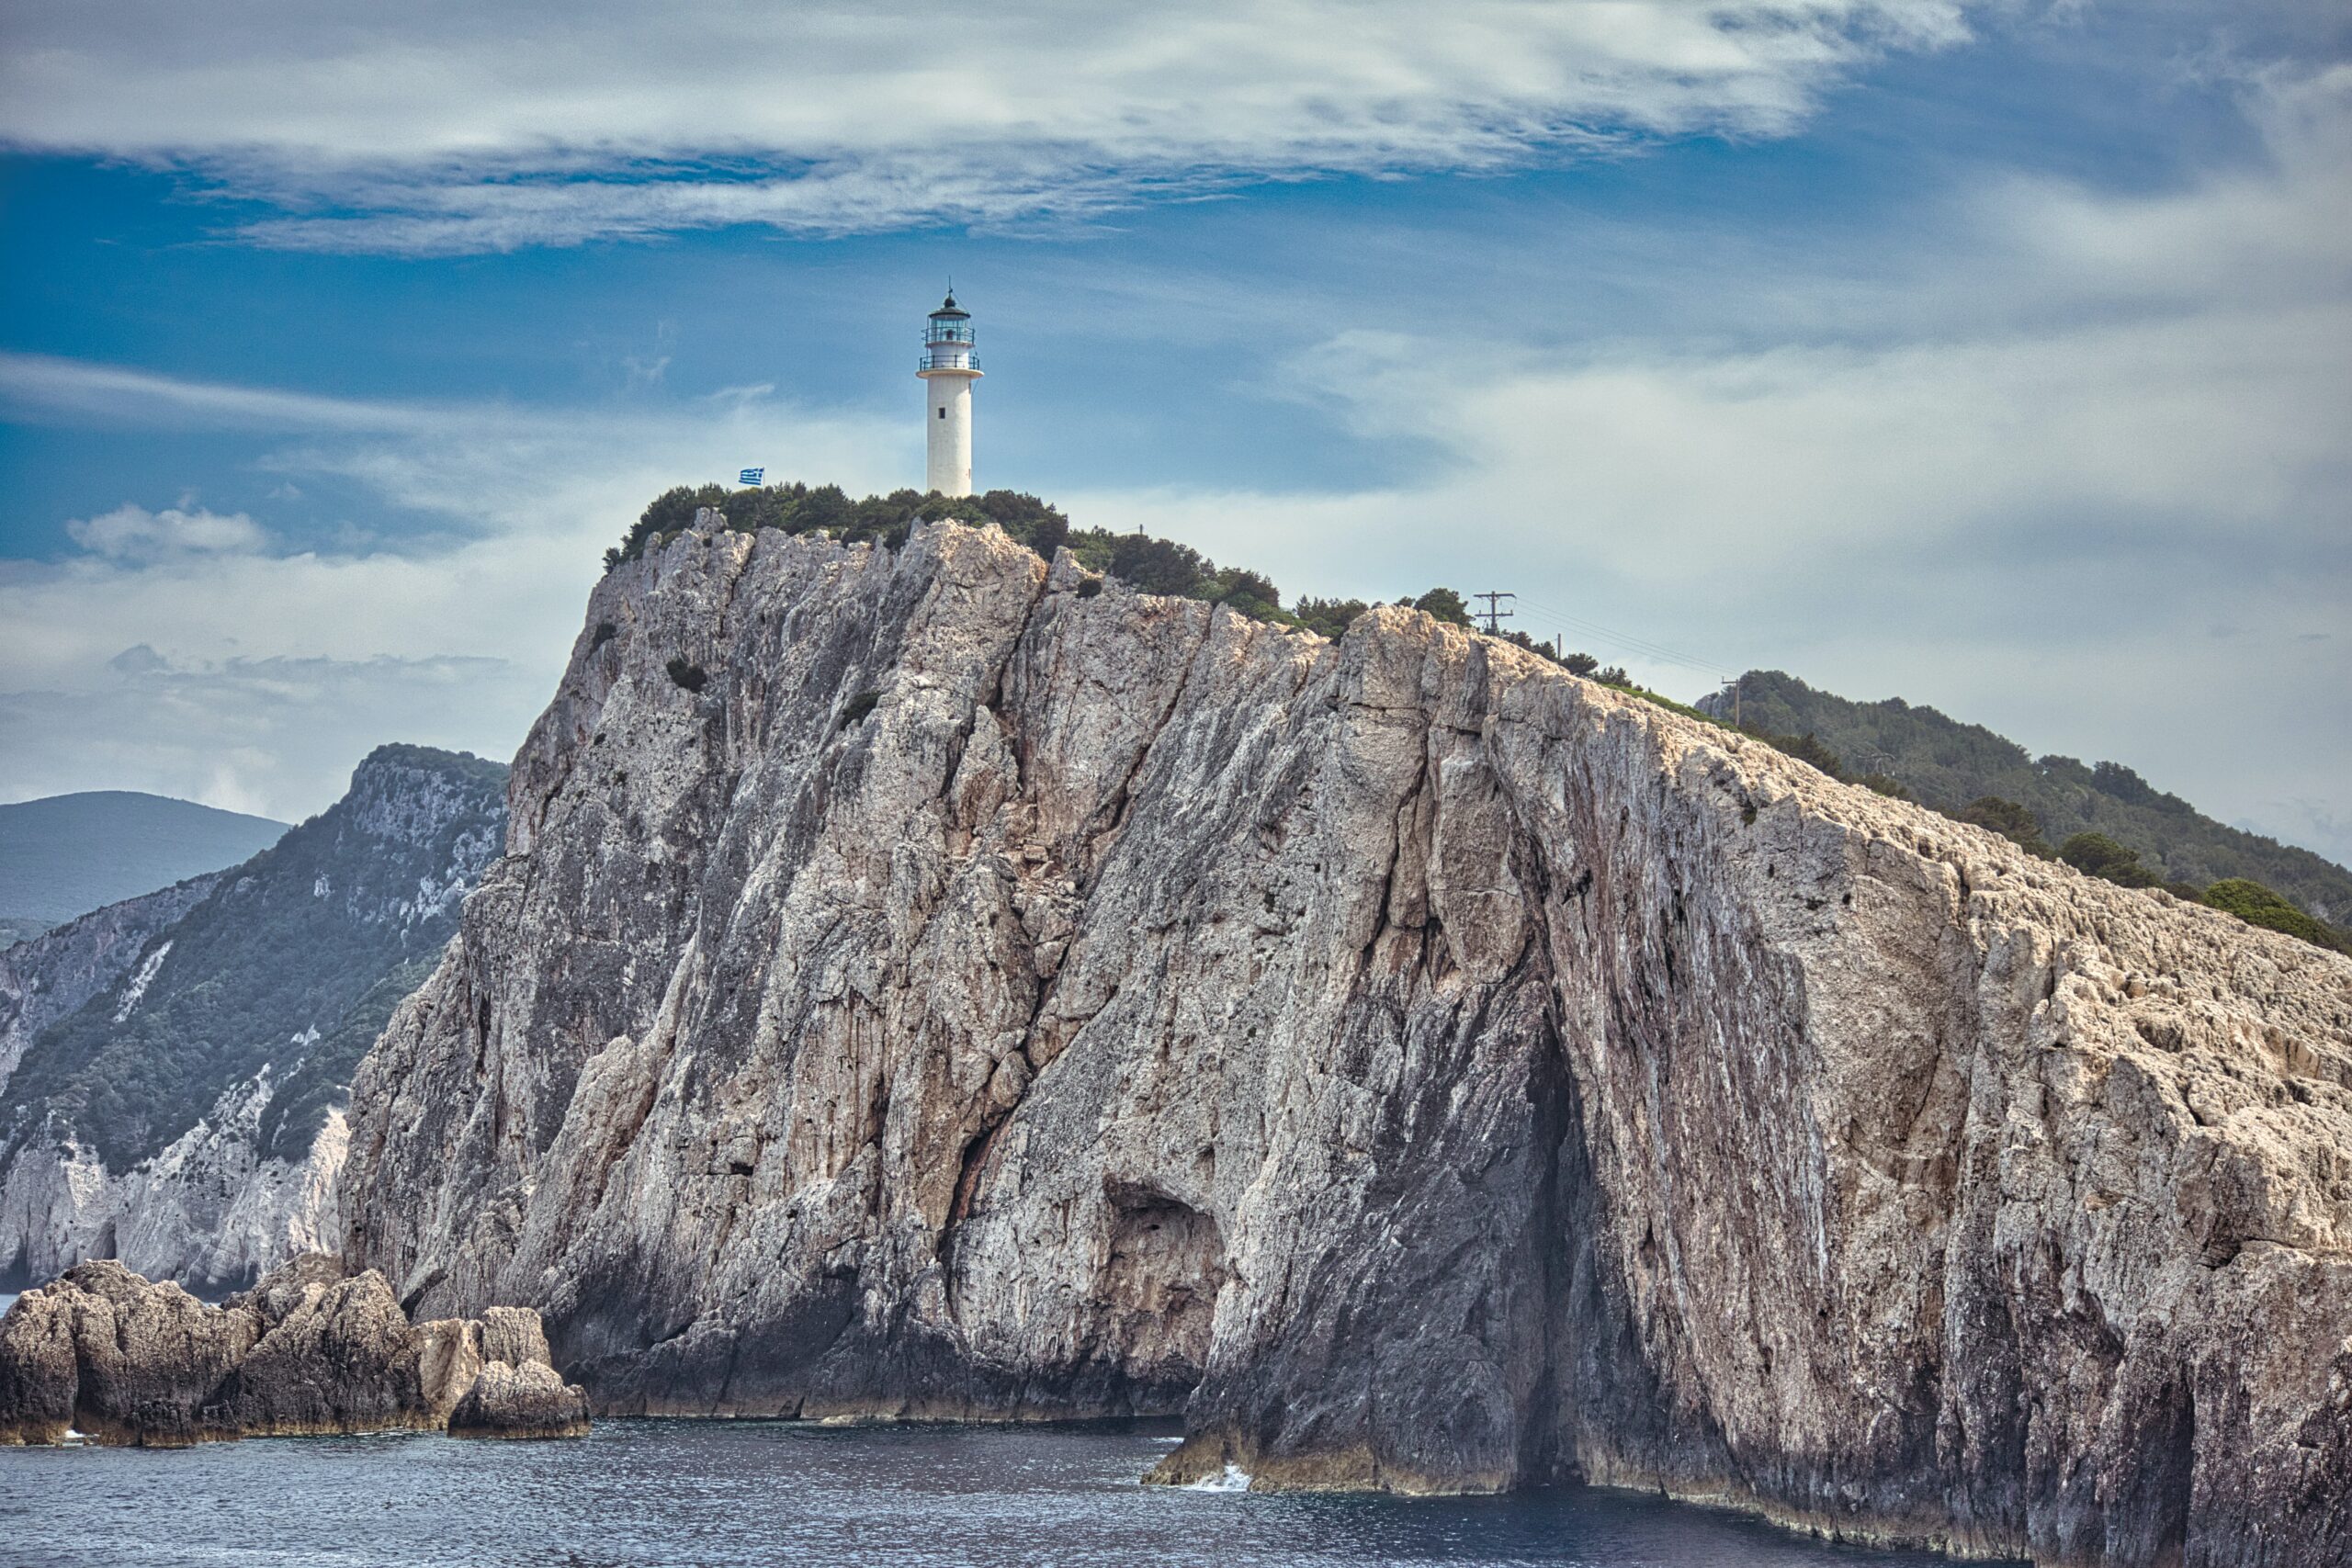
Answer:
(948, 369)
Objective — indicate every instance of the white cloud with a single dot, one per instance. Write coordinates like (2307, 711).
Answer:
(34, 385)
(455, 127)
(2017, 469)
(2054, 444)
(130, 532)
(254, 677)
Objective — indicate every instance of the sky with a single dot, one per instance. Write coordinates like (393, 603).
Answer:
(1996, 356)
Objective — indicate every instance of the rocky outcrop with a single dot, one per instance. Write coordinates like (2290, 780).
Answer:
(186, 1057)
(527, 1401)
(105, 1354)
(924, 984)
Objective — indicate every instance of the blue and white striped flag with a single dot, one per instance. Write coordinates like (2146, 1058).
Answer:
(751, 476)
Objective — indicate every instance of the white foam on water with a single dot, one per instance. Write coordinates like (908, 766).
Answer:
(1234, 1479)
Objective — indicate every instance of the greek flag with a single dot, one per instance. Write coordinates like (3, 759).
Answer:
(751, 476)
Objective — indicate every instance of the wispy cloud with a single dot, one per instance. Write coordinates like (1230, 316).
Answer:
(455, 128)
(36, 387)
(2015, 465)
(265, 670)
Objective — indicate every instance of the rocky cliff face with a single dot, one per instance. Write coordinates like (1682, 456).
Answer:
(923, 984)
(52, 975)
(180, 1061)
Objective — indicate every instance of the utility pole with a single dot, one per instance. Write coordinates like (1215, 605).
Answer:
(1733, 684)
(1495, 615)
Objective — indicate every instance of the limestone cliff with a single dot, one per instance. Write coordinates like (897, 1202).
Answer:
(172, 1068)
(923, 983)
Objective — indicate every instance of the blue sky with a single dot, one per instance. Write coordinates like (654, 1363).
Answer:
(1995, 357)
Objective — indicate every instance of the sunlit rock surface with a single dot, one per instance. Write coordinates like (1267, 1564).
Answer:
(921, 984)
(115, 1358)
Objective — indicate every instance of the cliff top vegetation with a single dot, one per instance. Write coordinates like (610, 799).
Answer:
(2101, 818)
(2112, 823)
(1146, 564)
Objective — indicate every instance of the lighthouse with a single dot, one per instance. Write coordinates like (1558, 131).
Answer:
(948, 369)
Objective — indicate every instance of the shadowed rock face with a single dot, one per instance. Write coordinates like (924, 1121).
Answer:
(1425, 1069)
(105, 1353)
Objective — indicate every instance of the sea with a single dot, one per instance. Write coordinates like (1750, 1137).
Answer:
(755, 1494)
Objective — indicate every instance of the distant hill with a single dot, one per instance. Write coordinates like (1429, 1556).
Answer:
(1946, 764)
(180, 1060)
(70, 853)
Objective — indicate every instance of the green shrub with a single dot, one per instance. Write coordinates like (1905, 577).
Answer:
(2009, 819)
(1089, 588)
(1807, 747)
(1445, 604)
(1158, 565)
(1331, 617)
(2258, 906)
(2096, 854)
(1177, 571)
(878, 519)
(858, 706)
(1880, 783)
(1685, 709)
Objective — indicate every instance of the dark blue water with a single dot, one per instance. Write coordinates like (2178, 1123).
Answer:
(718, 1495)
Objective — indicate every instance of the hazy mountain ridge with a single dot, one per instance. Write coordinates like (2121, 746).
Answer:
(68, 854)
(186, 1114)
(1946, 763)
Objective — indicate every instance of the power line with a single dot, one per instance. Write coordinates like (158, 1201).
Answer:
(1626, 640)
(1495, 616)
(1643, 646)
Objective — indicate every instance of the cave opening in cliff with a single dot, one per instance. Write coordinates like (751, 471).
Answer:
(1163, 1265)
